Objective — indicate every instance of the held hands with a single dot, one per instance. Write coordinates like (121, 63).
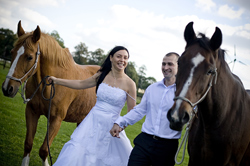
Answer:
(116, 129)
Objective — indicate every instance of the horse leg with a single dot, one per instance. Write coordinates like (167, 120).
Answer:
(31, 125)
(54, 127)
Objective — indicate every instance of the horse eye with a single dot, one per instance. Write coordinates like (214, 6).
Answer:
(210, 72)
(29, 58)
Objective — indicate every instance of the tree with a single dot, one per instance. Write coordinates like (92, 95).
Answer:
(131, 72)
(141, 77)
(81, 54)
(143, 81)
(56, 35)
(7, 40)
(148, 81)
(97, 57)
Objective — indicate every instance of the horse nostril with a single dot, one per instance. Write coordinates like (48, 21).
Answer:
(10, 89)
(169, 114)
(185, 118)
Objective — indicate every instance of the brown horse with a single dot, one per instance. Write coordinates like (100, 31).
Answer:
(36, 55)
(220, 131)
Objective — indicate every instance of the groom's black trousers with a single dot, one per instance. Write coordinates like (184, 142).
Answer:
(153, 151)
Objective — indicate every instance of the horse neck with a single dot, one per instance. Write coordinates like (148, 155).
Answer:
(46, 67)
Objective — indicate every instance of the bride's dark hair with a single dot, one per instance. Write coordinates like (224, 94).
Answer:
(106, 66)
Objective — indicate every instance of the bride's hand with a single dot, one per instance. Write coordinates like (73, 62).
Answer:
(51, 79)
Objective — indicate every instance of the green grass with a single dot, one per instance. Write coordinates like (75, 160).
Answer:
(13, 131)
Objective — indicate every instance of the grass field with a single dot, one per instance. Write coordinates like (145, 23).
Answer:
(13, 130)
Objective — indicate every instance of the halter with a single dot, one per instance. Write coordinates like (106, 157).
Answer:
(205, 94)
(23, 86)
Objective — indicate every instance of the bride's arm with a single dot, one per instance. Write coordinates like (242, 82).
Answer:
(75, 84)
(131, 99)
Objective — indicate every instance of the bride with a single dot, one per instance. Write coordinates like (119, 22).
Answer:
(91, 143)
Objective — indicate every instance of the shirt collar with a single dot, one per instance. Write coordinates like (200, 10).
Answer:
(171, 86)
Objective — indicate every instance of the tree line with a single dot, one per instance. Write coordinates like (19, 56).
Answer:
(82, 55)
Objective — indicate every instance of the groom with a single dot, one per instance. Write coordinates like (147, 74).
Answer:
(157, 143)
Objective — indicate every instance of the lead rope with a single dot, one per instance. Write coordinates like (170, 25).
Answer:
(52, 94)
(184, 139)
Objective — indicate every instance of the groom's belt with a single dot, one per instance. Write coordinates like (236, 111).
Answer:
(156, 137)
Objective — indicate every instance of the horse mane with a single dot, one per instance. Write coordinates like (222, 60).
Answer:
(49, 48)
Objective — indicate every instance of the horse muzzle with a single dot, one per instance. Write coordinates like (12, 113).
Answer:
(10, 90)
(176, 122)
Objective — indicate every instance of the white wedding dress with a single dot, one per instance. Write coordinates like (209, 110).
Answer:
(91, 143)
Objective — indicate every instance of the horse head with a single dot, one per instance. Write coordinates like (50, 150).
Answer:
(197, 71)
(25, 56)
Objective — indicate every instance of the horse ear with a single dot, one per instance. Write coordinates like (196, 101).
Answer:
(216, 39)
(20, 30)
(36, 34)
(189, 34)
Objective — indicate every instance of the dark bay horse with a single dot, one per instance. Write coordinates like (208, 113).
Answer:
(220, 131)
(36, 55)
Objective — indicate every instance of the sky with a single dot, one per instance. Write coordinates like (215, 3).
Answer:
(148, 28)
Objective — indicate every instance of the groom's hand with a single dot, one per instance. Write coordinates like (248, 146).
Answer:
(116, 129)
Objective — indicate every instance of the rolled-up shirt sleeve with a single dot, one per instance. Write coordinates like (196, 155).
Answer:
(134, 115)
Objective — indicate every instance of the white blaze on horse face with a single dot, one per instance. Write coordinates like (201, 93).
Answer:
(196, 61)
(13, 66)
